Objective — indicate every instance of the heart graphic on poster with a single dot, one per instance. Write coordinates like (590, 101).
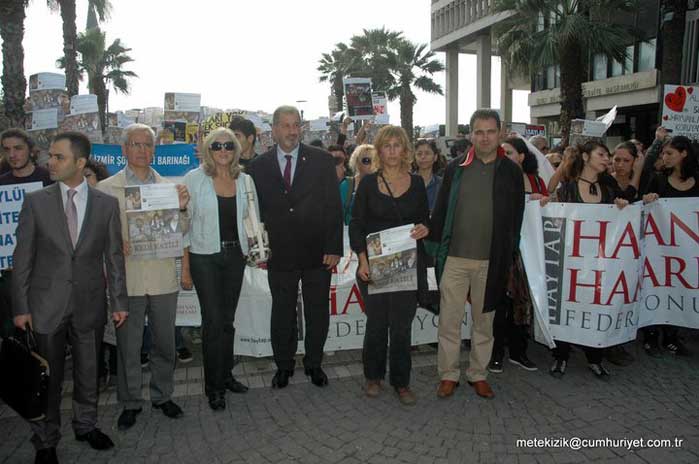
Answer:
(690, 90)
(666, 117)
(676, 100)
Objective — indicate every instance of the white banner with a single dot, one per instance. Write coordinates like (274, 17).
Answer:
(11, 199)
(347, 319)
(670, 270)
(598, 273)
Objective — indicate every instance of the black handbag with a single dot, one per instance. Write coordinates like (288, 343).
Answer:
(24, 376)
(426, 298)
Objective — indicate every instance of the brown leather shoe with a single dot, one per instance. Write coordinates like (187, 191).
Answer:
(373, 388)
(446, 388)
(482, 389)
(406, 396)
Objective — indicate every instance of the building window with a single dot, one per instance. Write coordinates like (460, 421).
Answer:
(617, 68)
(646, 56)
(553, 77)
(599, 67)
(628, 65)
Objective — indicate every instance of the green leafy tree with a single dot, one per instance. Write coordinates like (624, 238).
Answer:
(333, 68)
(394, 64)
(104, 67)
(14, 84)
(414, 67)
(544, 33)
(96, 9)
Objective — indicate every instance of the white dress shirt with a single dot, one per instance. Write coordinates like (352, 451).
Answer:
(80, 200)
(281, 158)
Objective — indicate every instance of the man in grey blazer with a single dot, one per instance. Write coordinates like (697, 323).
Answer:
(68, 233)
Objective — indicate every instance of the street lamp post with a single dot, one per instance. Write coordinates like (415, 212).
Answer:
(298, 103)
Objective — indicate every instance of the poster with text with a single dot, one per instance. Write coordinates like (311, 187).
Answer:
(392, 257)
(168, 161)
(80, 104)
(11, 199)
(681, 110)
(47, 81)
(358, 97)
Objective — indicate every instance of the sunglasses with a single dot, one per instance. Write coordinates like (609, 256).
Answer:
(366, 161)
(217, 146)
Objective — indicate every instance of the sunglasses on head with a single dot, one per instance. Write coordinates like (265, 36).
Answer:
(366, 161)
(217, 146)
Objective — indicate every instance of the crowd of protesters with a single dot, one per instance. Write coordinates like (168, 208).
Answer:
(466, 213)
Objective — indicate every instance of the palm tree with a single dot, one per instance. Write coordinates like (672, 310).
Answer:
(373, 54)
(103, 66)
(97, 11)
(70, 37)
(14, 84)
(414, 66)
(335, 66)
(544, 33)
(671, 40)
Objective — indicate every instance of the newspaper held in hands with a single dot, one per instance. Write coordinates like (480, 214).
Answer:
(153, 221)
(392, 260)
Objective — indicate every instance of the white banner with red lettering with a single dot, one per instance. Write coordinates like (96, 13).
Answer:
(597, 273)
(347, 318)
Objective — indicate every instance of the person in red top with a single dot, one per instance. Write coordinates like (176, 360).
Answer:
(517, 151)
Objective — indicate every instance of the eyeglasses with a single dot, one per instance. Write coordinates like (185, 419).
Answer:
(366, 161)
(140, 145)
(217, 146)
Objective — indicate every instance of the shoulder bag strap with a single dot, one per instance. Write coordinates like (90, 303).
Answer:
(393, 199)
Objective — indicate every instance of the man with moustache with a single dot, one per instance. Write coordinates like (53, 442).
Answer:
(300, 206)
(476, 224)
(67, 234)
(152, 288)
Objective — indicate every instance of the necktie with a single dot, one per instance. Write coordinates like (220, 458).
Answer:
(72, 216)
(287, 171)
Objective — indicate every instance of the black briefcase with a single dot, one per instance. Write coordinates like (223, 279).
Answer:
(24, 376)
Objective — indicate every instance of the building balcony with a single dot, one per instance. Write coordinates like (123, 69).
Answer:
(459, 22)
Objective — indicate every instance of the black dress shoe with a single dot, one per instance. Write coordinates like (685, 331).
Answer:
(127, 418)
(96, 439)
(317, 375)
(281, 378)
(170, 409)
(46, 456)
(217, 401)
(236, 387)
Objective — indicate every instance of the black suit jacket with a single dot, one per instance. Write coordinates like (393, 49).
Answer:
(305, 222)
(50, 277)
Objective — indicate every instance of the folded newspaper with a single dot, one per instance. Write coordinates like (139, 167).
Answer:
(392, 260)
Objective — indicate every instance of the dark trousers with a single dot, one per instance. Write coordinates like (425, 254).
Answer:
(651, 334)
(505, 332)
(6, 324)
(315, 288)
(218, 279)
(562, 352)
(389, 316)
(85, 344)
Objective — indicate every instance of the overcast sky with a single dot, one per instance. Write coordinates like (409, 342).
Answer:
(253, 55)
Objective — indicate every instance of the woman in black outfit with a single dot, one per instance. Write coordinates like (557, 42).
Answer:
(588, 183)
(679, 180)
(389, 198)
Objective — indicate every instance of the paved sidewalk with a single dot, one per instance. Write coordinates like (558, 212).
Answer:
(653, 398)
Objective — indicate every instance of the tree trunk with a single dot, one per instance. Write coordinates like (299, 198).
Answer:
(339, 90)
(407, 101)
(672, 42)
(573, 74)
(14, 84)
(70, 39)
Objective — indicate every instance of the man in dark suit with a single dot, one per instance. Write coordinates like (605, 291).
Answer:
(66, 234)
(300, 206)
